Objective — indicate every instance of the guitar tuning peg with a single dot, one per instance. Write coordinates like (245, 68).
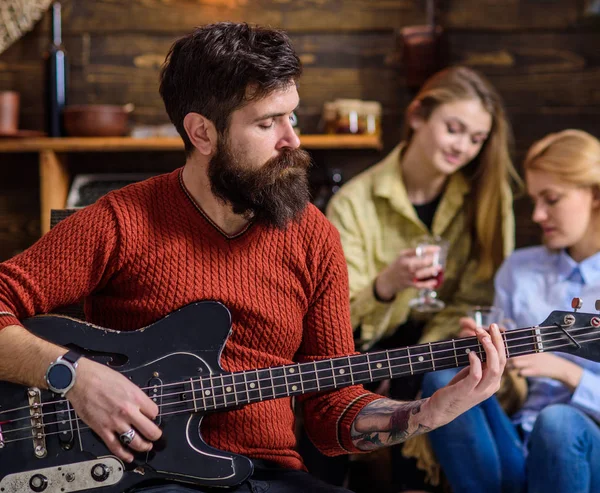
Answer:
(577, 303)
(597, 305)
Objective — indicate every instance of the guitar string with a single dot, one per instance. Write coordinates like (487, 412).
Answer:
(180, 412)
(223, 385)
(385, 353)
(373, 354)
(207, 408)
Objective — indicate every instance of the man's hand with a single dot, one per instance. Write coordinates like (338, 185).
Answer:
(472, 384)
(110, 405)
(387, 422)
(550, 366)
(103, 398)
(408, 271)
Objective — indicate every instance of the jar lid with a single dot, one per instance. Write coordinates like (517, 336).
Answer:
(349, 104)
(371, 107)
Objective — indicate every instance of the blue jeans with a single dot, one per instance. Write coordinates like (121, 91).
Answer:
(264, 480)
(564, 452)
(481, 450)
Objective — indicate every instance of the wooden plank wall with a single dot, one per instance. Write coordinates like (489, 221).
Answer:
(541, 54)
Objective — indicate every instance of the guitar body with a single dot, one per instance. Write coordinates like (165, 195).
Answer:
(182, 346)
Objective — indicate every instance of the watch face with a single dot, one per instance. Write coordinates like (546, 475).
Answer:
(60, 376)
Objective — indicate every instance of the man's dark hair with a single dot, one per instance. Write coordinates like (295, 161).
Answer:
(210, 70)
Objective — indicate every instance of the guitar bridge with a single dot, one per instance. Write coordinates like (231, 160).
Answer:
(34, 396)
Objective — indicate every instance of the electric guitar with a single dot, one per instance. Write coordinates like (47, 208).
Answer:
(45, 447)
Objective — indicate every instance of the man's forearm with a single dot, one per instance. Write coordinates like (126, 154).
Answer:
(24, 358)
(387, 422)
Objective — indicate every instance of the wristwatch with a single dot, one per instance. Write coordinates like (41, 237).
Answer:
(60, 375)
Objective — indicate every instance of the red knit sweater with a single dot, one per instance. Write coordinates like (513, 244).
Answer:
(143, 251)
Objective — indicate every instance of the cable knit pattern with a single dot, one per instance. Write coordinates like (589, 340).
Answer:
(146, 250)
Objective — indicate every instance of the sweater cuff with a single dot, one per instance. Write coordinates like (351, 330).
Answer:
(348, 417)
(8, 318)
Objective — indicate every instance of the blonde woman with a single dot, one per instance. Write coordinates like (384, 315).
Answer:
(553, 441)
(449, 176)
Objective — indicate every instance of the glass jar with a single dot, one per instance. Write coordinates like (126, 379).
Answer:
(372, 115)
(350, 118)
(329, 117)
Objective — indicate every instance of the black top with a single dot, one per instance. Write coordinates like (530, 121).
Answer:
(427, 211)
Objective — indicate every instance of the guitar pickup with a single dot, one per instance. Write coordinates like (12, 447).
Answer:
(64, 424)
(155, 392)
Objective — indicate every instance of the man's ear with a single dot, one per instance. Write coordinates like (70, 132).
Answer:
(415, 115)
(201, 132)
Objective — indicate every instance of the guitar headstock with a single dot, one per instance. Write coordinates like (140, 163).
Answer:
(573, 332)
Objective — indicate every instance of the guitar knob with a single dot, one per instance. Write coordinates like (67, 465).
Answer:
(577, 303)
(38, 482)
(100, 472)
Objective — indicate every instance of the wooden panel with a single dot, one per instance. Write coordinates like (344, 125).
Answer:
(294, 15)
(513, 14)
(161, 16)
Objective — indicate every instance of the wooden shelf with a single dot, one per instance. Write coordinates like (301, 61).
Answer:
(54, 172)
(125, 144)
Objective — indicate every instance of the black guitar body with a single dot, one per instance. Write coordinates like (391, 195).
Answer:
(182, 346)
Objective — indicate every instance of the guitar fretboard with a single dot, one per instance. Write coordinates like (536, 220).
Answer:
(235, 389)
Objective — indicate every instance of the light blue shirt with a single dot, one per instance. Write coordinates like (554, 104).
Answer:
(531, 283)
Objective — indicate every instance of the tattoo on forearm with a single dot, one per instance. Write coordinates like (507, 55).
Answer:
(387, 422)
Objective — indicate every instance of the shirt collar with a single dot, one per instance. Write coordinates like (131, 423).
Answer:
(585, 272)
(388, 184)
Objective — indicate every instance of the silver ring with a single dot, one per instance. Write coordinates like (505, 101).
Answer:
(127, 437)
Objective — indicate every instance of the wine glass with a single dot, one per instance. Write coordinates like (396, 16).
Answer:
(437, 248)
(484, 316)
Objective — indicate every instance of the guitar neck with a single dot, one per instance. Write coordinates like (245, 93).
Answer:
(230, 390)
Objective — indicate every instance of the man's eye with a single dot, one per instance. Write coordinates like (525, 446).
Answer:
(293, 119)
(266, 125)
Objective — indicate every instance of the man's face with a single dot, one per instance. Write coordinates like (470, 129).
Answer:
(258, 167)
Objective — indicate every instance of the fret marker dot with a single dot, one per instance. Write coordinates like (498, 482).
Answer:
(342, 372)
(421, 358)
(292, 370)
(467, 350)
(252, 385)
(228, 389)
(207, 392)
(379, 365)
(294, 387)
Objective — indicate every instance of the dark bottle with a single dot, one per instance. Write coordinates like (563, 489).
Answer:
(56, 77)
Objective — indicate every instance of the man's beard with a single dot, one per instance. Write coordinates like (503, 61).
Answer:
(275, 193)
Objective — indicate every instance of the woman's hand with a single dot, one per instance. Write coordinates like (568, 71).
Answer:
(549, 366)
(408, 271)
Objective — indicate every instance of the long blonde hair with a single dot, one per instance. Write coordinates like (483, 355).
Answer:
(573, 156)
(490, 171)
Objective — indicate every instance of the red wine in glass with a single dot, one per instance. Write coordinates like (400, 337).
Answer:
(427, 300)
(439, 278)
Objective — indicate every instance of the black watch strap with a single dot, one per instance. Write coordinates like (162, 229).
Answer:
(72, 357)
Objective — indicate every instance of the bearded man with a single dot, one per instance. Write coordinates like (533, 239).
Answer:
(234, 225)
